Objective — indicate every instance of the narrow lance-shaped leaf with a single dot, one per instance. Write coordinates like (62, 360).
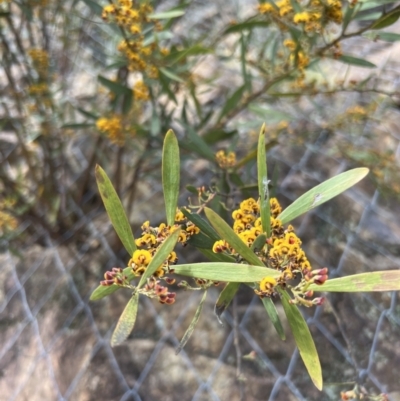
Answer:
(201, 223)
(170, 175)
(232, 102)
(387, 19)
(304, 340)
(246, 26)
(160, 256)
(225, 232)
(201, 240)
(169, 74)
(263, 183)
(115, 210)
(387, 280)
(385, 36)
(259, 243)
(192, 325)
(115, 87)
(216, 257)
(322, 193)
(273, 315)
(229, 272)
(225, 298)
(356, 61)
(126, 321)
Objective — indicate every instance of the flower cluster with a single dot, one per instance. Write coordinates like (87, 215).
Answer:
(314, 17)
(141, 91)
(40, 61)
(115, 276)
(113, 128)
(282, 251)
(225, 160)
(154, 290)
(152, 238)
(134, 21)
(38, 89)
(8, 223)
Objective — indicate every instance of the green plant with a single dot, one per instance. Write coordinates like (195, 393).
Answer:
(259, 252)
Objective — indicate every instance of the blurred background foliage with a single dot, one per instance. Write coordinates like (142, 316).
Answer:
(107, 80)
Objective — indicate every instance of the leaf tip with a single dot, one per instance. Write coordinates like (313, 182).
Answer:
(262, 131)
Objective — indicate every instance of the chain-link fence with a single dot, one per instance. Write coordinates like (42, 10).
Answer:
(54, 343)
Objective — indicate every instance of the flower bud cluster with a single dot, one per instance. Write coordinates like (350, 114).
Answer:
(225, 160)
(115, 276)
(154, 290)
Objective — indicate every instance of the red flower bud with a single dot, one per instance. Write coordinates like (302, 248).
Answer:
(320, 279)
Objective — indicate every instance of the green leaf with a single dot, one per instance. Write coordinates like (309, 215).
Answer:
(348, 14)
(192, 325)
(167, 14)
(229, 272)
(387, 280)
(171, 75)
(225, 232)
(77, 126)
(356, 61)
(165, 86)
(232, 102)
(387, 19)
(115, 210)
(201, 240)
(259, 243)
(217, 135)
(322, 193)
(126, 321)
(88, 114)
(304, 340)
(217, 257)
(253, 154)
(178, 55)
(115, 87)
(263, 183)
(201, 223)
(367, 4)
(385, 36)
(273, 315)
(225, 298)
(160, 256)
(196, 143)
(170, 175)
(94, 6)
(246, 26)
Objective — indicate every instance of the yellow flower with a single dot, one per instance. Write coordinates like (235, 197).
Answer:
(289, 43)
(141, 91)
(249, 205)
(302, 17)
(265, 8)
(220, 246)
(135, 29)
(147, 239)
(237, 214)
(267, 284)
(140, 257)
